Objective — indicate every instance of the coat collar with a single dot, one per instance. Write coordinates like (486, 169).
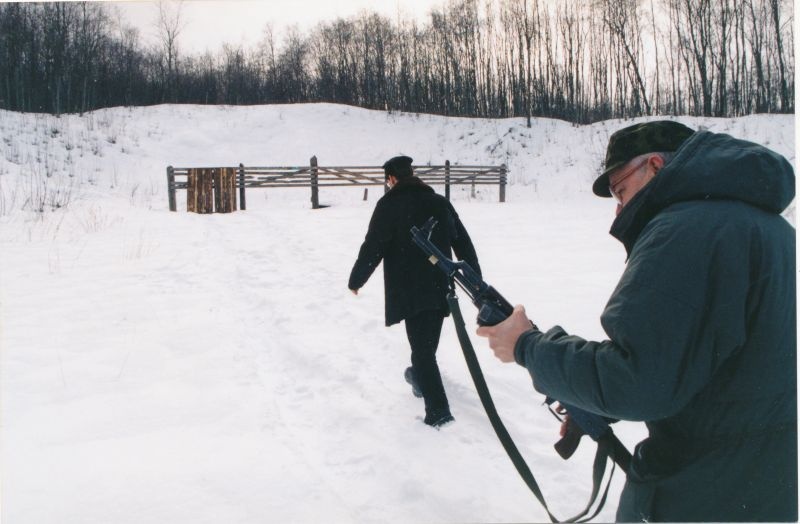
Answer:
(409, 183)
(633, 218)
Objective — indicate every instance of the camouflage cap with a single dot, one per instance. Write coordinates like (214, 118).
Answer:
(399, 166)
(632, 141)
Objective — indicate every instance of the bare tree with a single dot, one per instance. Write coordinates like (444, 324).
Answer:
(621, 19)
(778, 29)
(524, 15)
(170, 24)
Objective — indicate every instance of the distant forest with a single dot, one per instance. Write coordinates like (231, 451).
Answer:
(577, 60)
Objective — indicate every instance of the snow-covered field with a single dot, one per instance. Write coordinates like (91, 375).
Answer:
(172, 367)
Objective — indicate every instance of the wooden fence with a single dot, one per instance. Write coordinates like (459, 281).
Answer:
(201, 182)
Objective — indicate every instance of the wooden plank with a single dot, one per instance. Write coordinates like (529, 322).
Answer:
(344, 184)
(199, 194)
(191, 192)
(273, 172)
(282, 185)
(353, 177)
(206, 197)
(224, 190)
(277, 168)
(494, 183)
(277, 179)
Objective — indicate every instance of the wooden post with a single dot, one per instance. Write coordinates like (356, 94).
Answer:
(224, 190)
(241, 187)
(314, 184)
(199, 191)
(366, 189)
(173, 204)
(503, 171)
(447, 179)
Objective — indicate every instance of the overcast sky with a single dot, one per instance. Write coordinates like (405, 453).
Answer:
(209, 23)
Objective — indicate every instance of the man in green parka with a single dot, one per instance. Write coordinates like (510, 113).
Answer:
(702, 328)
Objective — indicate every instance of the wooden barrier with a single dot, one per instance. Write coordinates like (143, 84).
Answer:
(225, 190)
(199, 191)
(208, 190)
(200, 183)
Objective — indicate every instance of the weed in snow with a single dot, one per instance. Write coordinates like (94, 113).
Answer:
(94, 220)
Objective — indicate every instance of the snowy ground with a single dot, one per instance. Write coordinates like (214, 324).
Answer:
(173, 367)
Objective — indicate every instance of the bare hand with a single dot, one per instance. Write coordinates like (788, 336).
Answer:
(354, 291)
(503, 337)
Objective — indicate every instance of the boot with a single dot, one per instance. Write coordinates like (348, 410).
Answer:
(411, 379)
(438, 417)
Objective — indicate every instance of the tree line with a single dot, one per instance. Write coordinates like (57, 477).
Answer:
(577, 60)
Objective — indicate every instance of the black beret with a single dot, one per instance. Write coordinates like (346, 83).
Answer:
(399, 166)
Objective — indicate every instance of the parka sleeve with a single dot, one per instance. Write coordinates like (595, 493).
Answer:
(372, 249)
(462, 243)
(677, 314)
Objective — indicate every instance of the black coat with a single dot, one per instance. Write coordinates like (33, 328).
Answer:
(702, 340)
(411, 283)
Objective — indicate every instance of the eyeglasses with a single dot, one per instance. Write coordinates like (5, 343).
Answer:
(628, 173)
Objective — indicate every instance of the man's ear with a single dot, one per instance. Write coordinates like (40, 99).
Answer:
(657, 162)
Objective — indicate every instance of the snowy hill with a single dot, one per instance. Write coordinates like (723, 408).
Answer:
(172, 367)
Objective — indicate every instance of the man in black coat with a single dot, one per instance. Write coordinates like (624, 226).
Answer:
(415, 290)
(702, 328)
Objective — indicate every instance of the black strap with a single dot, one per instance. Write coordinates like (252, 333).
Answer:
(604, 448)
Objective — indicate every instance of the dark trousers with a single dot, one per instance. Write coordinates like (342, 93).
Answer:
(423, 330)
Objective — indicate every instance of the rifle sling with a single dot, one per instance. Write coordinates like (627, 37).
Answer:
(605, 448)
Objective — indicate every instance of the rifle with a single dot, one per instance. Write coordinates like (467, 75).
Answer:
(493, 308)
